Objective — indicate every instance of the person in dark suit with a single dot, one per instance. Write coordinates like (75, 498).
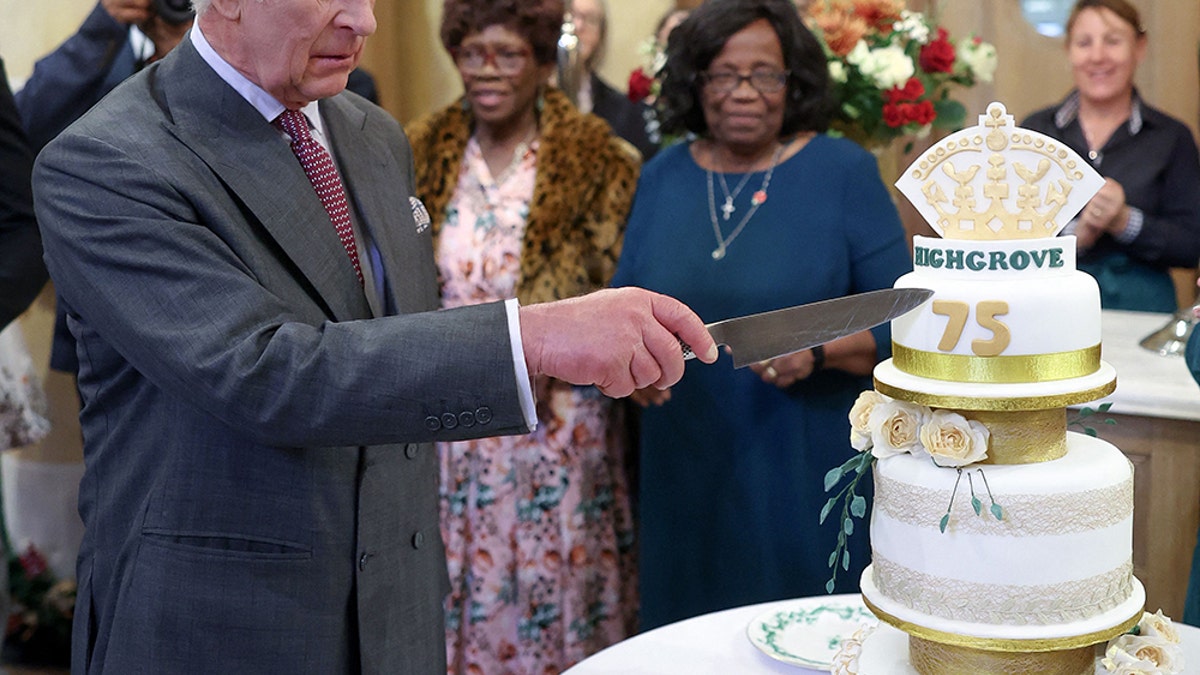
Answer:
(260, 494)
(117, 39)
(22, 273)
(627, 119)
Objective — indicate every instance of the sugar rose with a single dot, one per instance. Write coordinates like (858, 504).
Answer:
(1141, 655)
(1157, 625)
(896, 427)
(953, 440)
(860, 419)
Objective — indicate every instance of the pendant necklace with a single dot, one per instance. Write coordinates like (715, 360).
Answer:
(728, 208)
(756, 201)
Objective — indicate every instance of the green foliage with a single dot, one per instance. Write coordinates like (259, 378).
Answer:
(853, 506)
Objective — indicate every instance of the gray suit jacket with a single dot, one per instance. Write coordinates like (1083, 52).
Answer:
(259, 495)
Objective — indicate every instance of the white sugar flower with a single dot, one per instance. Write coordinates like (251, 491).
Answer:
(1157, 625)
(1143, 655)
(860, 419)
(953, 440)
(896, 427)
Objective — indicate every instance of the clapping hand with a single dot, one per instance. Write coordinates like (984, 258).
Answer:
(1106, 212)
(619, 339)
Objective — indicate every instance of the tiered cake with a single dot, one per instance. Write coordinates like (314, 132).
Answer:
(1010, 338)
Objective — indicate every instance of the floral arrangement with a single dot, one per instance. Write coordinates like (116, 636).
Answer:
(882, 427)
(1151, 648)
(39, 625)
(892, 69)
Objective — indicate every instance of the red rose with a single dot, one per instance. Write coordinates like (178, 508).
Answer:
(923, 112)
(639, 85)
(893, 114)
(938, 55)
(911, 91)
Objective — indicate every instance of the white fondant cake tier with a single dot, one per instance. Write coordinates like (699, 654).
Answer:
(1002, 312)
(1060, 557)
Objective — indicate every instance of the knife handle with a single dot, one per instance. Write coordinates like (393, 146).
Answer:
(687, 350)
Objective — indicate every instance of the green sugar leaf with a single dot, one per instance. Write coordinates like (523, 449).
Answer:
(832, 477)
(829, 586)
(1089, 431)
(945, 521)
(833, 558)
(827, 508)
(998, 512)
(1105, 406)
(848, 526)
(858, 506)
(976, 504)
(1086, 412)
(846, 560)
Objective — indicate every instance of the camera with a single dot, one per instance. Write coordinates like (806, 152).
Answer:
(174, 11)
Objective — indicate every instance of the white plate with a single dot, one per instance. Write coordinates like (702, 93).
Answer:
(809, 631)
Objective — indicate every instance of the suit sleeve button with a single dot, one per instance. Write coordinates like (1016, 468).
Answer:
(449, 421)
(466, 418)
(432, 423)
(362, 562)
(418, 540)
(483, 414)
(410, 451)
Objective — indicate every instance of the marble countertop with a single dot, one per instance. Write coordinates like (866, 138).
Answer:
(1148, 384)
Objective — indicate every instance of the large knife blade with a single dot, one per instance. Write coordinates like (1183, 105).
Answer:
(759, 337)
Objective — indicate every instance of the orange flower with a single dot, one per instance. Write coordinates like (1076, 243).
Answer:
(879, 13)
(841, 29)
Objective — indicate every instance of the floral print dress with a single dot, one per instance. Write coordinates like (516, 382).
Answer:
(538, 534)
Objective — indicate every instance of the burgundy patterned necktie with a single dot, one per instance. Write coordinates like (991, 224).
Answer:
(318, 166)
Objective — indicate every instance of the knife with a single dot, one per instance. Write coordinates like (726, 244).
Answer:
(759, 337)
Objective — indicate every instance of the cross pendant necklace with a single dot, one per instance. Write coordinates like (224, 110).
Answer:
(756, 201)
(728, 209)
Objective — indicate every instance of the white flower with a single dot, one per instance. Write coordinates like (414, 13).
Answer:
(1157, 625)
(860, 419)
(896, 427)
(837, 71)
(1142, 655)
(913, 25)
(979, 57)
(845, 662)
(887, 66)
(953, 440)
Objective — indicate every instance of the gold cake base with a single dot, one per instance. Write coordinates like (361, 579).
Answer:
(935, 658)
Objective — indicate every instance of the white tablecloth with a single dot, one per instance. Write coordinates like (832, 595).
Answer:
(716, 644)
(1148, 384)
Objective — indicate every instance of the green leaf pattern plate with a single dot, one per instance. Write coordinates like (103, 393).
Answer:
(809, 632)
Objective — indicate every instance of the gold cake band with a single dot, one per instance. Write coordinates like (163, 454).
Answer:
(1004, 644)
(935, 658)
(1001, 404)
(1023, 437)
(997, 369)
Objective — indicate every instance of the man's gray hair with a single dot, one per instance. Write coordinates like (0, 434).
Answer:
(200, 5)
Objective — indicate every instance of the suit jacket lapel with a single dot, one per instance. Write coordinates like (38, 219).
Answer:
(383, 209)
(259, 168)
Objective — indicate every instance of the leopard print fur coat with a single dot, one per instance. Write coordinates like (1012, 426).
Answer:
(586, 177)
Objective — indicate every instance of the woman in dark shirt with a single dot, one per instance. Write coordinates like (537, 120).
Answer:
(1146, 217)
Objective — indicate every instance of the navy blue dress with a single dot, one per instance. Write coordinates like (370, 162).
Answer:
(731, 468)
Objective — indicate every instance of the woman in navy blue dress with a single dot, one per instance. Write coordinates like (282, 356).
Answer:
(760, 211)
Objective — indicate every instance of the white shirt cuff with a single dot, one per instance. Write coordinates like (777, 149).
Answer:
(1132, 228)
(524, 386)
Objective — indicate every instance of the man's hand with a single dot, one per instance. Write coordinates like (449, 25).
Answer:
(617, 339)
(128, 12)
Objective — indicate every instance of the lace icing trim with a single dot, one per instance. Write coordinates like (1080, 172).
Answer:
(1038, 605)
(1024, 515)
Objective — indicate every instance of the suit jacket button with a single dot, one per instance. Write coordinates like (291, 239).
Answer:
(483, 414)
(410, 450)
(418, 540)
(362, 562)
(432, 423)
(449, 421)
(466, 418)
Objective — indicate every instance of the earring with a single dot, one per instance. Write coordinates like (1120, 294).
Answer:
(540, 103)
(466, 104)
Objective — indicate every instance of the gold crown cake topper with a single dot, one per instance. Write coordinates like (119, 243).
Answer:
(998, 181)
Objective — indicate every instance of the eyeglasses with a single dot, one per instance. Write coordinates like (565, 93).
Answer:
(506, 60)
(764, 80)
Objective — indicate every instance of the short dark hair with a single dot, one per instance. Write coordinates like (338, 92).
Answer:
(694, 44)
(538, 21)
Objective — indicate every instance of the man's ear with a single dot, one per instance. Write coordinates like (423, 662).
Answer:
(230, 10)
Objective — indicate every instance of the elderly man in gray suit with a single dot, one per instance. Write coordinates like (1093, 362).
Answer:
(260, 370)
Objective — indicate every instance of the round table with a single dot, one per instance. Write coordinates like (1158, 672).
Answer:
(716, 644)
